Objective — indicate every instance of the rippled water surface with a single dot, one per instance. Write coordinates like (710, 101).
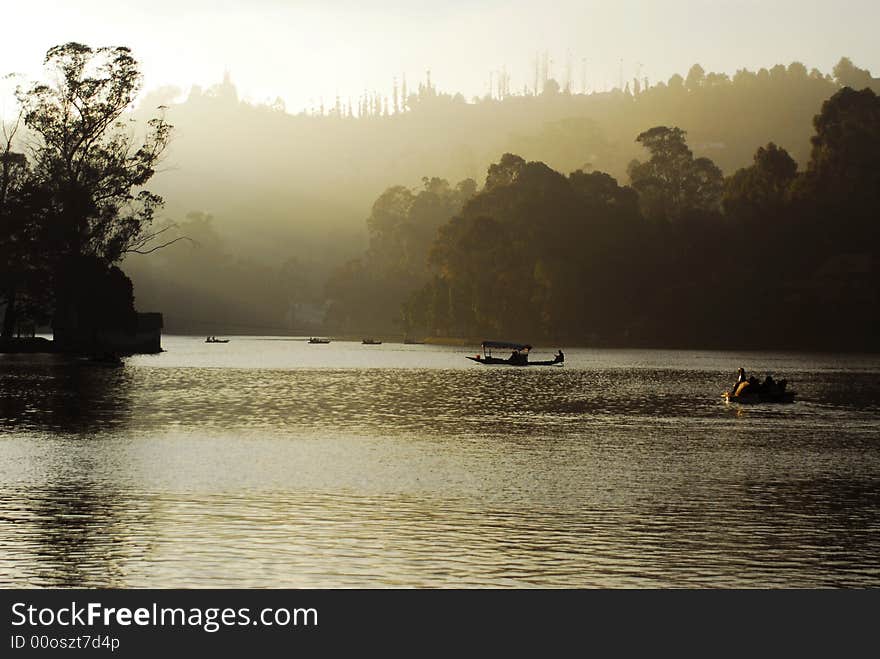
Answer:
(270, 462)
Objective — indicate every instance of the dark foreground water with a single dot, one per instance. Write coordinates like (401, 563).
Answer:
(275, 463)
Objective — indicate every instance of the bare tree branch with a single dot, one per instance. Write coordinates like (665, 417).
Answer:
(158, 247)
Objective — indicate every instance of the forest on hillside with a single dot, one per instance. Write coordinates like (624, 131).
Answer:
(707, 198)
(772, 256)
(283, 198)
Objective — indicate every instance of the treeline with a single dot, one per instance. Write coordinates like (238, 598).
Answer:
(365, 293)
(772, 256)
(282, 186)
(272, 204)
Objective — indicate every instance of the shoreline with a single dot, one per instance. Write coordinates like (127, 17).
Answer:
(38, 345)
(42, 345)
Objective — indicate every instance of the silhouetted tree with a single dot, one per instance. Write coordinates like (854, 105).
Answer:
(763, 188)
(842, 180)
(505, 171)
(367, 294)
(848, 74)
(843, 160)
(695, 78)
(89, 162)
(87, 155)
(672, 182)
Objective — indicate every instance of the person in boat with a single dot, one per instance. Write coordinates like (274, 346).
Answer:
(559, 356)
(740, 379)
(747, 386)
(769, 385)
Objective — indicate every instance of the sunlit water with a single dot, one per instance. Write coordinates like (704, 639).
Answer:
(276, 463)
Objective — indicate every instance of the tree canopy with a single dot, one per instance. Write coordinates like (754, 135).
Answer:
(673, 182)
(86, 153)
(74, 194)
(789, 259)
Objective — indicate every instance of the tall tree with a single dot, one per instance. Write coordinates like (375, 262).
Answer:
(753, 192)
(88, 156)
(846, 144)
(842, 180)
(672, 182)
(848, 74)
(92, 163)
(695, 78)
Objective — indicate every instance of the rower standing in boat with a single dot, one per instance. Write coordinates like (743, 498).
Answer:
(740, 378)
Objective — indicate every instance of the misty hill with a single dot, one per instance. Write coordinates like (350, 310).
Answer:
(770, 257)
(289, 193)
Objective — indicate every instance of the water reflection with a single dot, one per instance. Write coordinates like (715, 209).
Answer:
(49, 393)
(604, 474)
(73, 532)
(346, 540)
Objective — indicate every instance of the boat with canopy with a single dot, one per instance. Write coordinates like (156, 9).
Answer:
(519, 355)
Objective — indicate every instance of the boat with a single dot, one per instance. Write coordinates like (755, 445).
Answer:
(519, 355)
(318, 340)
(751, 391)
(760, 397)
(371, 342)
(214, 339)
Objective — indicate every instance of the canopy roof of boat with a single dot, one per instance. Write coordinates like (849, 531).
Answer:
(506, 344)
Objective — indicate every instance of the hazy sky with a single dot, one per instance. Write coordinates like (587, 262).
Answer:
(302, 50)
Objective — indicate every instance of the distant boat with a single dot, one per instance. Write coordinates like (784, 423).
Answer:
(318, 340)
(214, 339)
(519, 355)
(371, 342)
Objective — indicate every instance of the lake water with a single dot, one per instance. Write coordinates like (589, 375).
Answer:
(271, 462)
